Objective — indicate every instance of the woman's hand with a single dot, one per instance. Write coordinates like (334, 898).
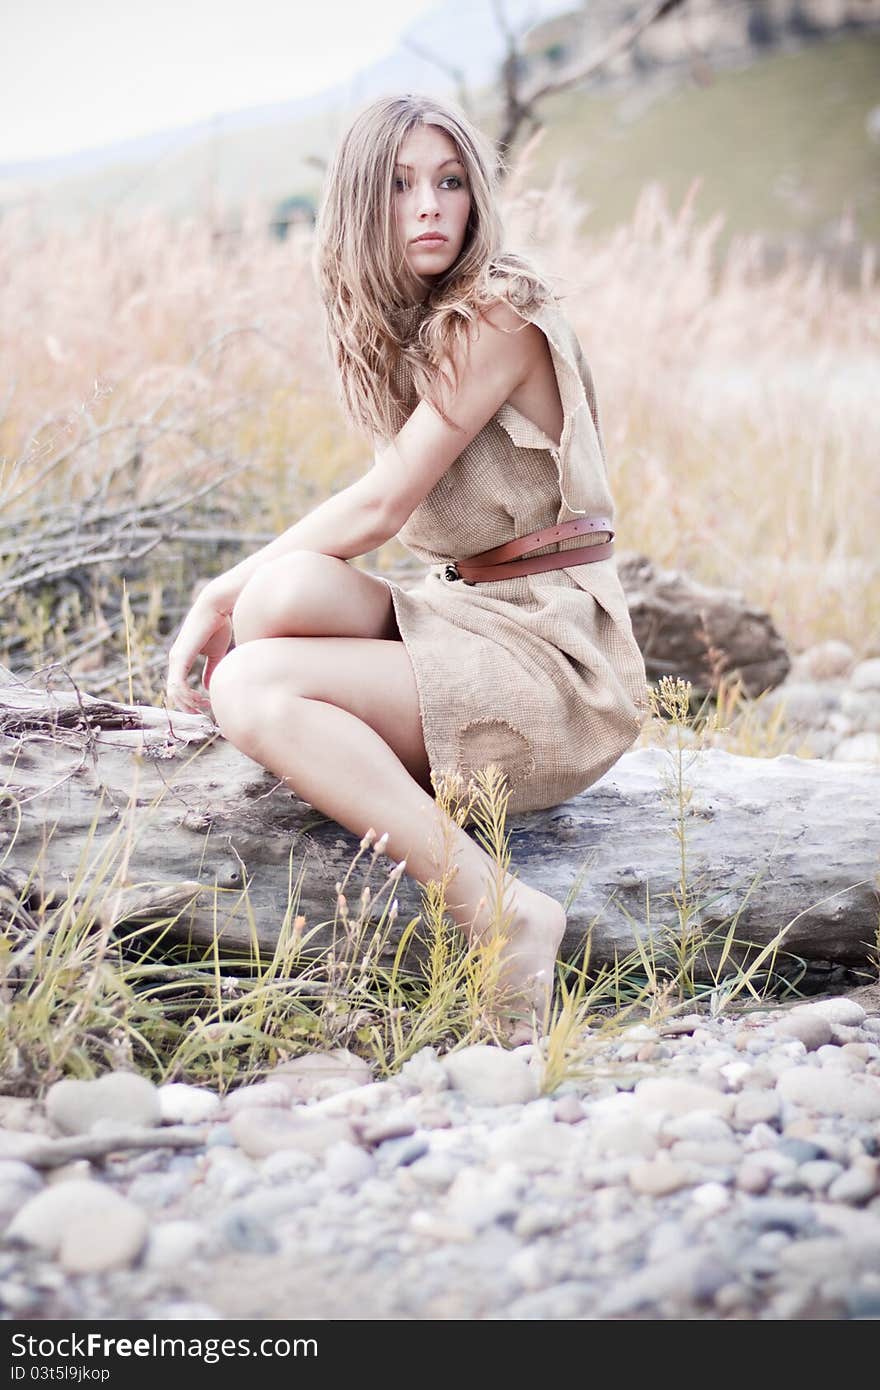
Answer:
(207, 632)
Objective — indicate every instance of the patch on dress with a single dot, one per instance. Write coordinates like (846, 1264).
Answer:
(485, 741)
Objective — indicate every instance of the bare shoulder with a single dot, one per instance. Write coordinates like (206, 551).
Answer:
(502, 340)
(503, 317)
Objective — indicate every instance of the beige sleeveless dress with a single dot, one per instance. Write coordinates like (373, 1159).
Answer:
(539, 674)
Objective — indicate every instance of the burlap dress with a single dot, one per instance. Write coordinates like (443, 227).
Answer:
(539, 674)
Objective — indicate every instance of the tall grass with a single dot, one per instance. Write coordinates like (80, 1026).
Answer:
(84, 986)
(740, 416)
(740, 412)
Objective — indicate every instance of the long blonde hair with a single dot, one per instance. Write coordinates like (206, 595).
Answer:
(363, 278)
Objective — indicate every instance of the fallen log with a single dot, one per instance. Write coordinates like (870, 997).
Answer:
(160, 818)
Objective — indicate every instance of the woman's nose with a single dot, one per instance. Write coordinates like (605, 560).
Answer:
(427, 203)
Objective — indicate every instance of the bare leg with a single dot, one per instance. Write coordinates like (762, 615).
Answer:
(372, 682)
(339, 763)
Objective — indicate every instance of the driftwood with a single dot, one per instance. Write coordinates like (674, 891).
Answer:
(696, 632)
(781, 844)
(40, 1152)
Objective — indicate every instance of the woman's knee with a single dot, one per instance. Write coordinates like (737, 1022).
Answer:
(268, 603)
(239, 689)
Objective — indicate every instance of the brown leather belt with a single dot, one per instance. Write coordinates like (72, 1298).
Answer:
(503, 565)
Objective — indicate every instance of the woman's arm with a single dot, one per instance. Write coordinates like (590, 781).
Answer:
(490, 368)
(350, 523)
(373, 509)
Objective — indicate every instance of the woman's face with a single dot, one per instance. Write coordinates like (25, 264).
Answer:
(430, 196)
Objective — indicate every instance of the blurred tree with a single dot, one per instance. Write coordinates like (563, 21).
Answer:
(520, 91)
(761, 30)
(296, 210)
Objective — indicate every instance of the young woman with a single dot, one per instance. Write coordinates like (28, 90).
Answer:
(458, 362)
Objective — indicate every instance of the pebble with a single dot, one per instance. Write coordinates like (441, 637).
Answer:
(857, 1184)
(259, 1132)
(119, 1097)
(172, 1243)
(660, 1176)
(318, 1075)
(825, 1093)
(487, 1075)
(180, 1104)
(88, 1225)
(811, 1030)
(736, 1175)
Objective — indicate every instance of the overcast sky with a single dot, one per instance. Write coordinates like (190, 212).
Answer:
(75, 74)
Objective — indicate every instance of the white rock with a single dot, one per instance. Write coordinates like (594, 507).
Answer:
(824, 661)
(761, 1135)
(319, 1074)
(259, 1132)
(435, 1172)
(862, 708)
(180, 1104)
(665, 1239)
(755, 1107)
(661, 1176)
(477, 1199)
(18, 1182)
(438, 1227)
(831, 1093)
(753, 1177)
(622, 1136)
(858, 1184)
(711, 1197)
(811, 1029)
(117, 1097)
(423, 1073)
(539, 1220)
(172, 1243)
(832, 1056)
(88, 1225)
(490, 1076)
(858, 748)
(260, 1093)
(527, 1268)
(639, 1032)
(357, 1100)
(819, 1173)
(866, 675)
(535, 1146)
(15, 1145)
(228, 1173)
(714, 1153)
(346, 1165)
(771, 1159)
(735, 1073)
(672, 1097)
(703, 1125)
(839, 1010)
(673, 1277)
(287, 1164)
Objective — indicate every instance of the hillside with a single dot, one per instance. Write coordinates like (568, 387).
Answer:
(783, 144)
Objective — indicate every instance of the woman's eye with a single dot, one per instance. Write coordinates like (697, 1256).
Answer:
(455, 179)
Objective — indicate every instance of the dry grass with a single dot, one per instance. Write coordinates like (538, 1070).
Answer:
(82, 990)
(740, 413)
(740, 416)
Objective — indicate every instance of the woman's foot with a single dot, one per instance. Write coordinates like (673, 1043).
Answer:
(527, 971)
